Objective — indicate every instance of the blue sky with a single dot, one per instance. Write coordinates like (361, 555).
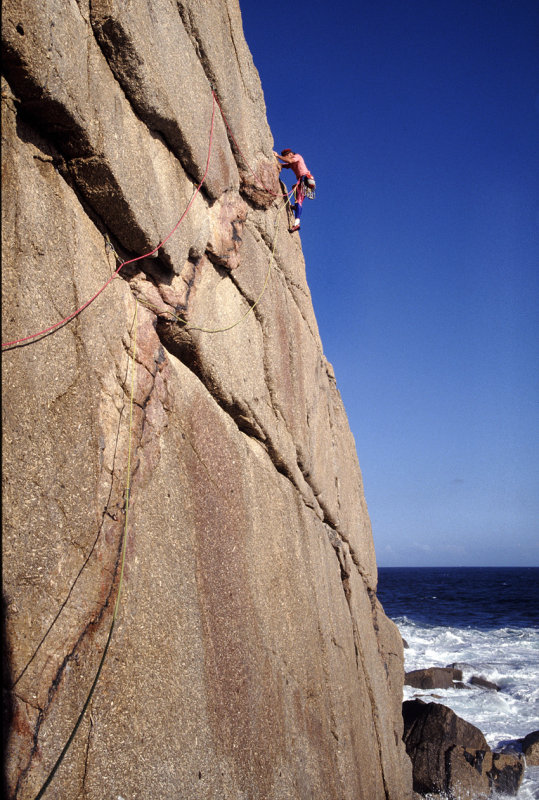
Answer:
(420, 122)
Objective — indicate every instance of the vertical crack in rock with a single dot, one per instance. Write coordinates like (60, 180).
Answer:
(90, 628)
(109, 511)
(87, 753)
(97, 617)
(293, 287)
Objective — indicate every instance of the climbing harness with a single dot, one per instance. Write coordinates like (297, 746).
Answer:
(309, 187)
(305, 187)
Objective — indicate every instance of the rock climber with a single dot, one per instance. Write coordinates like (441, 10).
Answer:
(305, 185)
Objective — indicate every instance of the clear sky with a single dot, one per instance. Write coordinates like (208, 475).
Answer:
(420, 122)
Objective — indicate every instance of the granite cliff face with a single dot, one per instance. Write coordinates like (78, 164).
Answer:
(250, 657)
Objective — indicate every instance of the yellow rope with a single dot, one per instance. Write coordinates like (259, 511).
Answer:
(120, 582)
(251, 308)
(129, 450)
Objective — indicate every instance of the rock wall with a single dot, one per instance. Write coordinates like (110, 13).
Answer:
(250, 657)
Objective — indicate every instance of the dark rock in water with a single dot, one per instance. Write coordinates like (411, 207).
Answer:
(530, 748)
(433, 678)
(430, 731)
(451, 756)
(478, 680)
(475, 680)
(439, 724)
(405, 644)
(505, 771)
(476, 773)
(465, 776)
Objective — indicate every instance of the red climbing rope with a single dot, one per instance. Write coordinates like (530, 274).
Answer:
(129, 261)
(71, 316)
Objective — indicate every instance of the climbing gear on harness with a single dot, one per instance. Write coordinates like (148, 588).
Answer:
(305, 187)
(309, 186)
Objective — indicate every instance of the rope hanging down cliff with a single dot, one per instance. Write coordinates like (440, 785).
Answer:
(82, 713)
(57, 325)
(73, 733)
(251, 307)
(71, 316)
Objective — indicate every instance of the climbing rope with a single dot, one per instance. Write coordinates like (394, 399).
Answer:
(122, 566)
(251, 308)
(67, 319)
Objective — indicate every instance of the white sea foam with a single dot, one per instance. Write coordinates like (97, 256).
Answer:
(507, 657)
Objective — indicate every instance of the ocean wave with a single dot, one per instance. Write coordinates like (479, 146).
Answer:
(506, 656)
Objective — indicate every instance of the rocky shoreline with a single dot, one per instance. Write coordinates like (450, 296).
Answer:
(450, 757)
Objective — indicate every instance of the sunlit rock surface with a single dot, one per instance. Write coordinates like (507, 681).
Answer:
(250, 657)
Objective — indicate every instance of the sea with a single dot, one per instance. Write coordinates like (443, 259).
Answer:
(487, 620)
